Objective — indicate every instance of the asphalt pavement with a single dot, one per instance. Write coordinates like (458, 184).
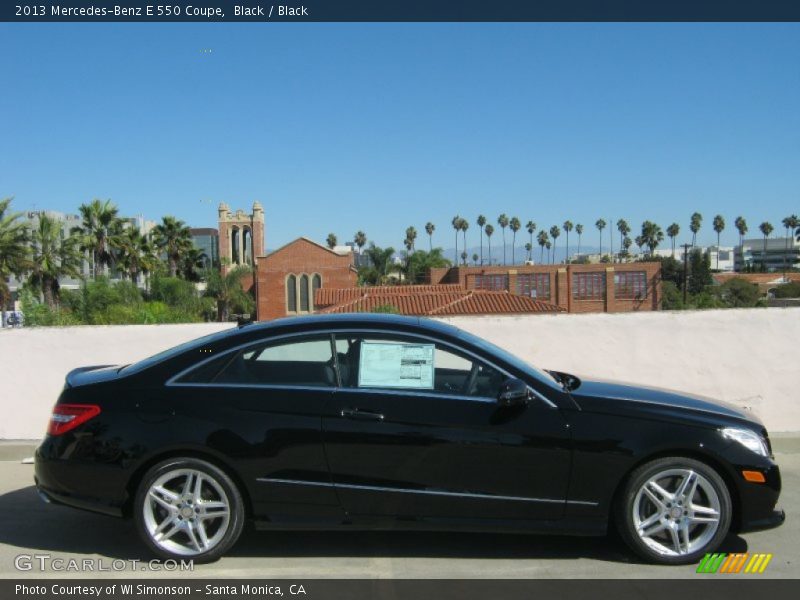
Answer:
(30, 529)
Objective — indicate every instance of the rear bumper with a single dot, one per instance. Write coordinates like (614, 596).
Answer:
(83, 503)
(78, 484)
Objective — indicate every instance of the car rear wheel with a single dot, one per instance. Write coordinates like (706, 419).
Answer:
(188, 508)
(674, 510)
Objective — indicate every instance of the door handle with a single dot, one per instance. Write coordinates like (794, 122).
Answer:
(361, 415)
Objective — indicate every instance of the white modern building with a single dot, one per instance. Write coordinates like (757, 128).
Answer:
(772, 254)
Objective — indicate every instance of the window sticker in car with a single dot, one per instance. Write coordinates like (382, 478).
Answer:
(396, 365)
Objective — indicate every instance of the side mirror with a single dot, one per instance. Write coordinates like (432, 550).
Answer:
(513, 392)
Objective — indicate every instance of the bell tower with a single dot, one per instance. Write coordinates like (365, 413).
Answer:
(241, 235)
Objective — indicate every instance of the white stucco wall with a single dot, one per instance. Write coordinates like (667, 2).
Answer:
(747, 357)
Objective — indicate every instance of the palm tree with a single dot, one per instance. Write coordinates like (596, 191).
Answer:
(360, 239)
(481, 221)
(172, 237)
(640, 242)
(741, 226)
(502, 220)
(475, 257)
(652, 236)
(695, 223)
(429, 229)
(464, 227)
(542, 239)
(464, 257)
(719, 226)
(515, 225)
(549, 245)
(579, 231)
(331, 240)
(567, 228)
(422, 262)
(673, 231)
(227, 290)
(790, 223)
(382, 265)
(193, 263)
(626, 244)
(600, 224)
(411, 236)
(529, 249)
(766, 229)
(98, 218)
(530, 226)
(53, 256)
(14, 249)
(130, 246)
(624, 229)
(555, 232)
(489, 229)
(456, 223)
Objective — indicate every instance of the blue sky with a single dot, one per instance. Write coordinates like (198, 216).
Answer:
(336, 127)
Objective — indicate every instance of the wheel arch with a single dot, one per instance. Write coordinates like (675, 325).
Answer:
(703, 457)
(137, 476)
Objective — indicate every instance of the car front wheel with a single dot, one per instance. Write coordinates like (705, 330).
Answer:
(674, 510)
(187, 508)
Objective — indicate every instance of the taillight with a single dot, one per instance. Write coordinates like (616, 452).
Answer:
(69, 416)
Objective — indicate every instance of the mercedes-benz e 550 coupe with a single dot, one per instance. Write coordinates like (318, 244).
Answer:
(386, 422)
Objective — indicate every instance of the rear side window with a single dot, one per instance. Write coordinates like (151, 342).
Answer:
(306, 362)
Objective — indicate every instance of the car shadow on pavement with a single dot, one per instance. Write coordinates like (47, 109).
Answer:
(31, 525)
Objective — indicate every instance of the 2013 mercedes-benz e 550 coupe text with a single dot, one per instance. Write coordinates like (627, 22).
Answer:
(387, 422)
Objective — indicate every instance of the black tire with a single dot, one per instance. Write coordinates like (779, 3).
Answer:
(210, 472)
(624, 509)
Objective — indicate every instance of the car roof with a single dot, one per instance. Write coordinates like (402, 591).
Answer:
(344, 320)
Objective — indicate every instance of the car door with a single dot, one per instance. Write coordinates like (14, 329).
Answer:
(267, 398)
(415, 430)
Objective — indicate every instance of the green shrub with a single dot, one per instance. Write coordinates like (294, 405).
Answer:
(788, 290)
(386, 308)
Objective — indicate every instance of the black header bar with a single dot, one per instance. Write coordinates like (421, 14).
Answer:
(307, 11)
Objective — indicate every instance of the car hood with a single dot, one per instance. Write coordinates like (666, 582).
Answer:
(94, 374)
(620, 398)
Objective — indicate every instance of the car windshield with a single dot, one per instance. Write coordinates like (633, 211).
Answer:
(511, 359)
(174, 351)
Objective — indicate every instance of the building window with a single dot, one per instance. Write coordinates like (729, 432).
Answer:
(535, 285)
(497, 283)
(588, 286)
(235, 246)
(304, 305)
(316, 283)
(247, 238)
(291, 294)
(630, 285)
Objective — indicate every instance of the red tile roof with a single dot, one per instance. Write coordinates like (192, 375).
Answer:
(429, 300)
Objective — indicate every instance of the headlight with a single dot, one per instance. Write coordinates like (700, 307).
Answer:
(749, 439)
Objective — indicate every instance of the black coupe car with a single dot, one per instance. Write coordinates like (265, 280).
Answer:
(386, 422)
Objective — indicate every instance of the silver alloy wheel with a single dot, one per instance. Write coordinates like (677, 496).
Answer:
(676, 512)
(186, 512)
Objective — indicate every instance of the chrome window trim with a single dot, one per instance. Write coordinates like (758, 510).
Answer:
(172, 381)
(377, 488)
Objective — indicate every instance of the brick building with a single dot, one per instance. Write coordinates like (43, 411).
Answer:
(604, 287)
(289, 276)
(304, 277)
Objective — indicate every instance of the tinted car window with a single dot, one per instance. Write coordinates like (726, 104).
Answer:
(306, 362)
(450, 372)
